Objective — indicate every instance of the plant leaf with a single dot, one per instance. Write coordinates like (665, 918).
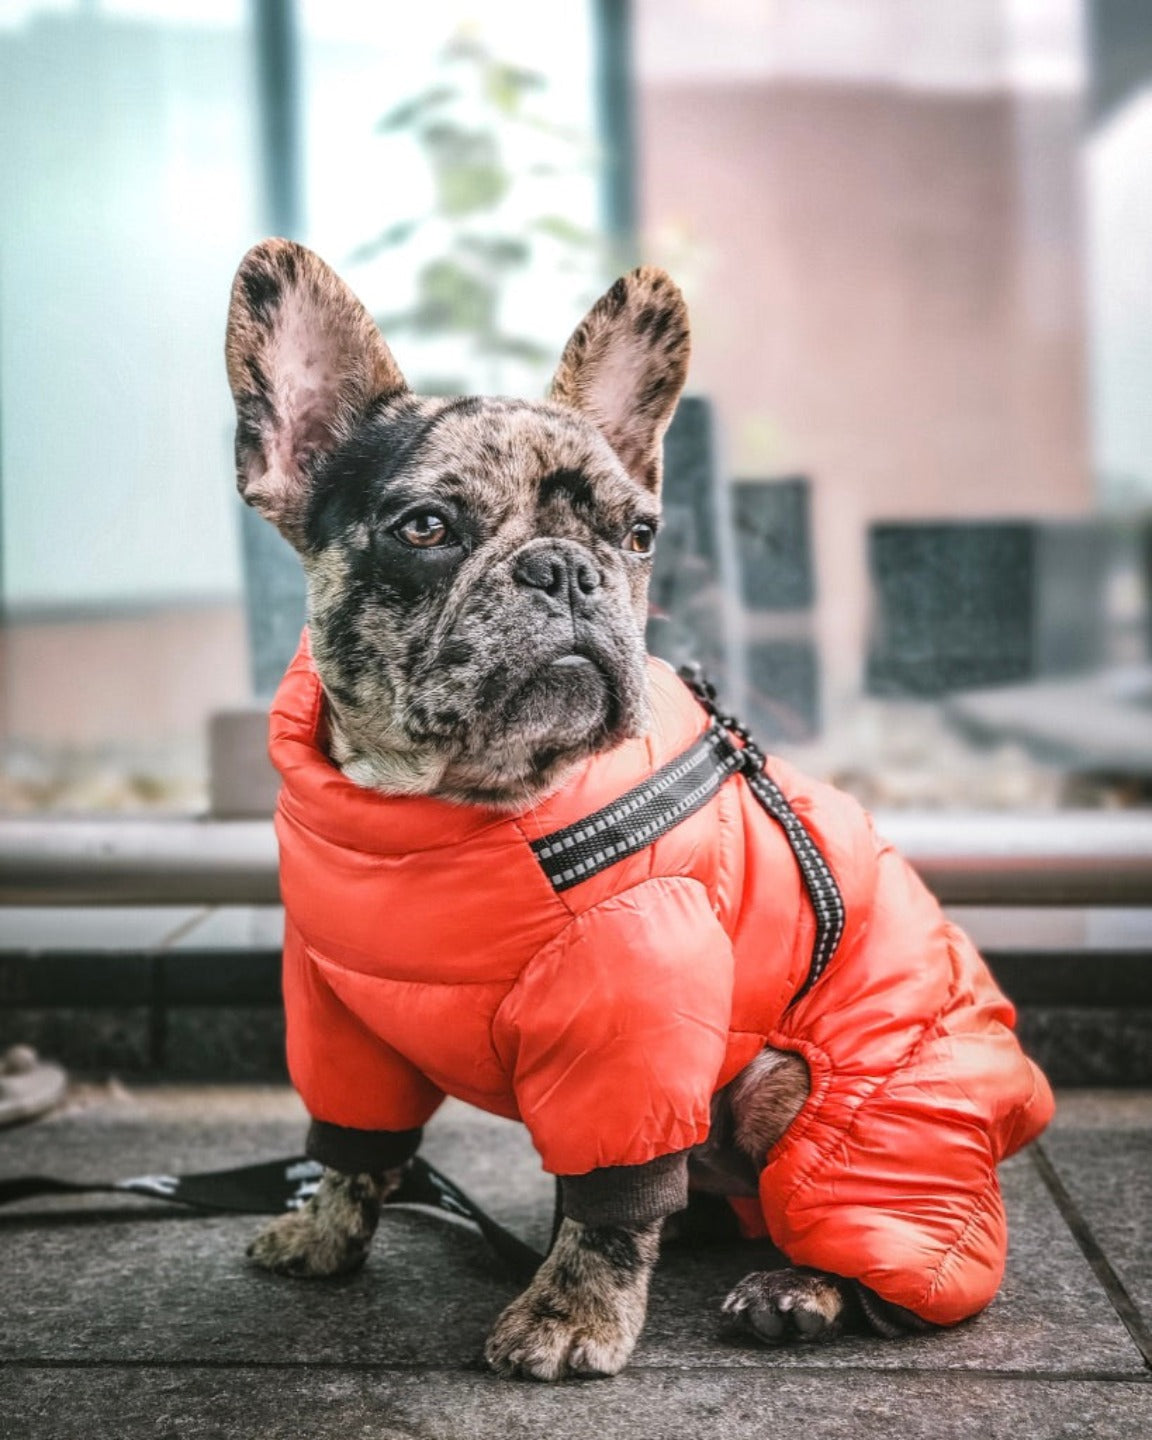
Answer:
(401, 116)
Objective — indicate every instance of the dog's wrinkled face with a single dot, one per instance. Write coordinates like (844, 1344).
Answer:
(478, 568)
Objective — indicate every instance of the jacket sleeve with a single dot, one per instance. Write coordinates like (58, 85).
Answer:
(347, 1077)
(615, 1033)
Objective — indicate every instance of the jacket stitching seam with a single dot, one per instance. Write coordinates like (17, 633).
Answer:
(979, 1209)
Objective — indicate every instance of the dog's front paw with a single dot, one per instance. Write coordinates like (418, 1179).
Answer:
(546, 1336)
(329, 1236)
(779, 1306)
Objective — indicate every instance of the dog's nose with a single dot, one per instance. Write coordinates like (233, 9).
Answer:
(564, 572)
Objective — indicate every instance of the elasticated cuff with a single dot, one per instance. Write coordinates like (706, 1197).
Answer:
(627, 1194)
(360, 1152)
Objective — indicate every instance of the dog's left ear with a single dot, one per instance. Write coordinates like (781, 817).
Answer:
(305, 362)
(625, 366)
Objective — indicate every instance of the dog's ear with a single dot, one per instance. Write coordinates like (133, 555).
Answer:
(305, 361)
(625, 365)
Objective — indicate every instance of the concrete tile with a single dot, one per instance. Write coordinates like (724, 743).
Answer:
(1050, 1314)
(319, 1402)
(148, 1284)
(1108, 1174)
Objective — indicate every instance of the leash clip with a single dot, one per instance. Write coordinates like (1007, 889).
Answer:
(752, 758)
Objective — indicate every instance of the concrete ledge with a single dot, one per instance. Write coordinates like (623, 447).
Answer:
(1067, 858)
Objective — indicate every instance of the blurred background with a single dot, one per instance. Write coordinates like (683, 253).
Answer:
(909, 500)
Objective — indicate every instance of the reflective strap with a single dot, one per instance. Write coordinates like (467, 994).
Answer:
(640, 816)
(678, 789)
(827, 902)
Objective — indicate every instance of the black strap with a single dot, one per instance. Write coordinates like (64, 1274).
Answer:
(640, 816)
(279, 1186)
(823, 891)
(678, 789)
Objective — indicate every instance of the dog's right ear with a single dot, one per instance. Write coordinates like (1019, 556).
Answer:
(305, 361)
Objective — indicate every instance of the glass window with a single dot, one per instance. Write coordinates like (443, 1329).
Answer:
(908, 495)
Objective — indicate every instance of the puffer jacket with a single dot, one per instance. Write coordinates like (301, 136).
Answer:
(599, 967)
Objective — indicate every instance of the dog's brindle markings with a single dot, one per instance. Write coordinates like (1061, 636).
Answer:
(477, 588)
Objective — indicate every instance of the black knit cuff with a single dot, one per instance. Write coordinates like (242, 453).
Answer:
(627, 1194)
(360, 1152)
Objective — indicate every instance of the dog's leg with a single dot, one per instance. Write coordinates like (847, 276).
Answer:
(751, 1114)
(331, 1233)
(792, 1304)
(584, 1310)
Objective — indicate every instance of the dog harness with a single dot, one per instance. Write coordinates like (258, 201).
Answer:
(598, 966)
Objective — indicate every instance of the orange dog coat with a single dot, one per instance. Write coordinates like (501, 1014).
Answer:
(599, 971)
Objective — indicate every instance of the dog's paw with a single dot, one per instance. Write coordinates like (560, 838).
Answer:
(780, 1306)
(296, 1245)
(543, 1337)
(329, 1236)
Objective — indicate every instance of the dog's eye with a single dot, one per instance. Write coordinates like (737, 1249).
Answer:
(641, 539)
(424, 531)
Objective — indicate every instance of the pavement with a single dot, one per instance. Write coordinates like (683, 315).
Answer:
(125, 1318)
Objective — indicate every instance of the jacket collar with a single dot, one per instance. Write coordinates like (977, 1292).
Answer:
(317, 795)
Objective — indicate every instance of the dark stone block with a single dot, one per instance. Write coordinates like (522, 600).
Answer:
(774, 543)
(783, 697)
(100, 1040)
(961, 605)
(1083, 979)
(689, 489)
(686, 597)
(1096, 1046)
(275, 597)
(954, 606)
(103, 980)
(218, 1042)
(220, 977)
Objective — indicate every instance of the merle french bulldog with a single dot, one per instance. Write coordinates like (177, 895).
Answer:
(447, 543)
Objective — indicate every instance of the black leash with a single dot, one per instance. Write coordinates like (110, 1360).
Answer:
(280, 1186)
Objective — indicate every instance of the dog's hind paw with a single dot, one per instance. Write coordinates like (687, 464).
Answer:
(780, 1306)
(329, 1236)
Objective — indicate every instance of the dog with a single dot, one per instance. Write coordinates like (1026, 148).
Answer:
(579, 951)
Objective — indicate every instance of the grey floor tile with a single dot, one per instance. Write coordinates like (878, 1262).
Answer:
(1050, 1316)
(1108, 1174)
(110, 1283)
(285, 1404)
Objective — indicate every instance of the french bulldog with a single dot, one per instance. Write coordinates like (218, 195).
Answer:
(477, 571)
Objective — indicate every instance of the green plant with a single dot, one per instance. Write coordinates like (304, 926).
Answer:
(491, 160)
